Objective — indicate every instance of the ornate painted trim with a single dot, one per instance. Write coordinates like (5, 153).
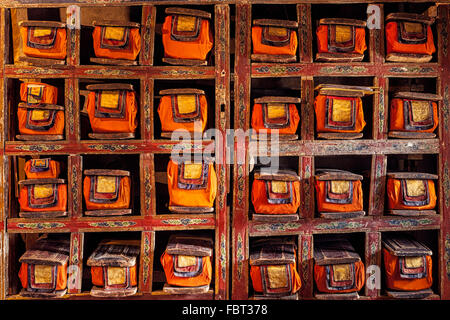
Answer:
(242, 113)
(277, 70)
(344, 69)
(38, 147)
(108, 72)
(147, 111)
(176, 72)
(412, 69)
(240, 185)
(146, 258)
(182, 146)
(446, 109)
(75, 252)
(41, 225)
(446, 184)
(304, 28)
(240, 256)
(271, 227)
(221, 187)
(148, 188)
(307, 186)
(223, 257)
(340, 225)
(112, 224)
(447, 255)
(381, 111)
(70, 107)
(444, 35)
(38, 71)
(404, 223)
(111, 147)
(184, 221)
(74, 188)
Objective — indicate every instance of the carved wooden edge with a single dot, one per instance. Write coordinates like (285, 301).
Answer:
(276, 23)
(180, 209)
(36, 23)
(330, 174)
(409, 17)
(342, 215)
(54, 294)
(339, 57)
(168, 135)
(277, 99)
(106, 213)
(42, 181)
(339, 135)
(39, 137)
(43, 61)
(418, 95)
(343, 90)
(40, 106)
(112, 293)
(343, 21)
(408, 57)
(411, 135)
(106, 172)
(279, 175)
(276, 58)
(337, 296)
(188, 12)
(185, 62)
(118, 62)
(275, 217)
(112, 136)
(412, 175)
(412, 213)
(420, 294)
(181, 91)
(185, 290)
(42, 214)
(268, 297)
(115, 23)
(268, 137)
(109, 86)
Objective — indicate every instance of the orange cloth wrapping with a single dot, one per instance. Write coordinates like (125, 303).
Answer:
(394, 46)
(55, 51)
(320, 277)
(340, 115)
(255, 274)
(258, 120)
(397, 116)
(204, 278)
(196, 50)
(165, 112)
(130, 51)
(61, 277)
(262, 205)
(395, 282)
(41, 117)
(323, 206)
(113, 125)
(203, 197)
(322, 39)
(61, 201)
(52, 172)
(395, 196)
(38, 93)
(261, 48)
(123, 198)
(97, 276)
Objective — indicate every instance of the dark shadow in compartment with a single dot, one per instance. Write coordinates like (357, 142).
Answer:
(355, 164)
(90, 14)
(85, 125)
(347, 11)
(430, 238)
(161, 240)
(417, 8)
(91, 241)
(18, 244)
(367, 100)
(207, 86)
(45, 14)
(289, 87)
(13, 100)
(128, 162)
(284, 163)
(357, 240)
(160, 18)
(17, 173)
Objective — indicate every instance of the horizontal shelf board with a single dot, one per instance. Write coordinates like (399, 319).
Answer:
(183, 221)
(344, 147)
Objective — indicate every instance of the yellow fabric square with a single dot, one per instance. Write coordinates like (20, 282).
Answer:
(186, 23)
(114, 33)
(42, 273)
(412, 27)
(43, 191)
(277, 276)
(186, 103)
(42, 32)
(420, 110)
(106, 184)
(276, 110)
(279, 186)
(34, 93)
(39, 162)
(415, 188)
(413, 262)
(342, 110)
(186, 261)
(278, 32)
(39, 115)
(116, 275)
(341, 272)
(343, 33)
(340, 186)
(193, 170)
(109, 99)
